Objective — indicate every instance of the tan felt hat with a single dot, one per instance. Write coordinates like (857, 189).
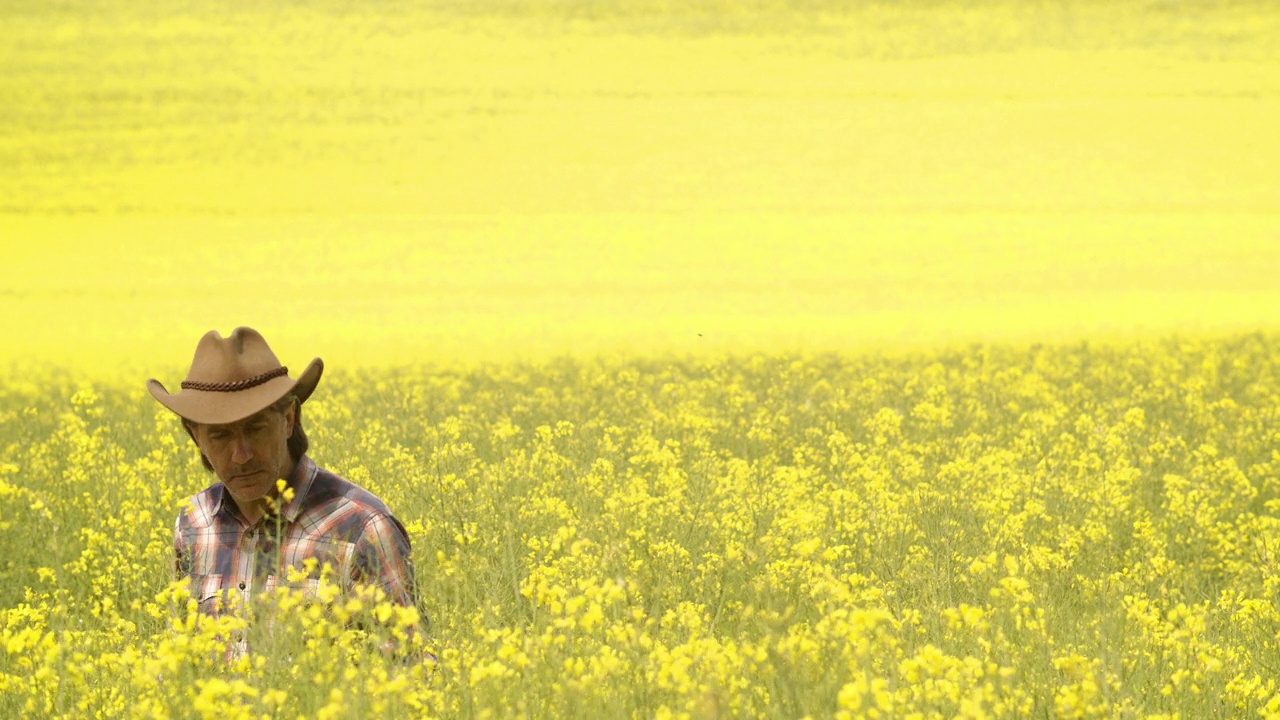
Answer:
(234, 377)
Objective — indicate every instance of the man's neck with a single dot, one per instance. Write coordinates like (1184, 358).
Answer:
(252, 510)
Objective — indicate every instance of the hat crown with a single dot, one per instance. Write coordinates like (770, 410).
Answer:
(244, 355)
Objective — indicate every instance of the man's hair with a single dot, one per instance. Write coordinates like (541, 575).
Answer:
(297, 442)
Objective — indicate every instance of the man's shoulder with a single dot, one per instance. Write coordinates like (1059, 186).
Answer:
(200, 509)
(332, 491)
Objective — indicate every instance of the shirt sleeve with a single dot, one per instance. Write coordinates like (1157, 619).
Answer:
(383, 558)
(181, 552)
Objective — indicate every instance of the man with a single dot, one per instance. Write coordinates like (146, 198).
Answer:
(241, 535)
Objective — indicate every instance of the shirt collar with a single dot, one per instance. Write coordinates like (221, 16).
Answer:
(304, 474)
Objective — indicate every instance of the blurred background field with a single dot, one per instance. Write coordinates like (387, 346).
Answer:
(386, 182)
(1023, 521)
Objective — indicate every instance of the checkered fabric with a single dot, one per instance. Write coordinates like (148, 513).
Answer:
(229, 562)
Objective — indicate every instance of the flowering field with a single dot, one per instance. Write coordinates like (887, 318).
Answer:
(987, 531)
(693, 342)
(498, 178)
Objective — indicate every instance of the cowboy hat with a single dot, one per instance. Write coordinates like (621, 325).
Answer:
(232, 378)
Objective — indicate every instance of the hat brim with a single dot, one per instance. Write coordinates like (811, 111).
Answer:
(218, 408)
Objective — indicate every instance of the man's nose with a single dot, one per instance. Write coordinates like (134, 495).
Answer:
(241, 451)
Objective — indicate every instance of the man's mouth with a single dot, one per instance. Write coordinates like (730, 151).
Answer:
(243, 476)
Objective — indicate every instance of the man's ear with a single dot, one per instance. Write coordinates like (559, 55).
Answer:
(290, 419)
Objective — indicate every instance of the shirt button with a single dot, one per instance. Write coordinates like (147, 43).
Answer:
(241, 586)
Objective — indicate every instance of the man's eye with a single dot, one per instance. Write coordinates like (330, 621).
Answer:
(218, 436)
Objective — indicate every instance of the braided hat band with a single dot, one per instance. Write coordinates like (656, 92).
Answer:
(236, 385)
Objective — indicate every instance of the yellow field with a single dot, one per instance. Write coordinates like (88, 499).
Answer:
(498, 180)
(723, 359)
(628, 284)
(1084, 531)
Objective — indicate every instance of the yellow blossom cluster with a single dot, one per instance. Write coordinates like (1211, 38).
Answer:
(979, 532)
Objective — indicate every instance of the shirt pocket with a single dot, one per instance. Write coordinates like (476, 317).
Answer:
(210, 595)
(323, 551)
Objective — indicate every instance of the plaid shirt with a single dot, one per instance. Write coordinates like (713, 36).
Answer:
(329, 519)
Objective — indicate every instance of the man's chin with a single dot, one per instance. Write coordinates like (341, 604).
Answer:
(249, 487)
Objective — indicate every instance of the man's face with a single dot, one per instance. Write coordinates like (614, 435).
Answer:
(249, 455)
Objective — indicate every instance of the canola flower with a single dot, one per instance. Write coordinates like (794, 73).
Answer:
(1069, 531)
